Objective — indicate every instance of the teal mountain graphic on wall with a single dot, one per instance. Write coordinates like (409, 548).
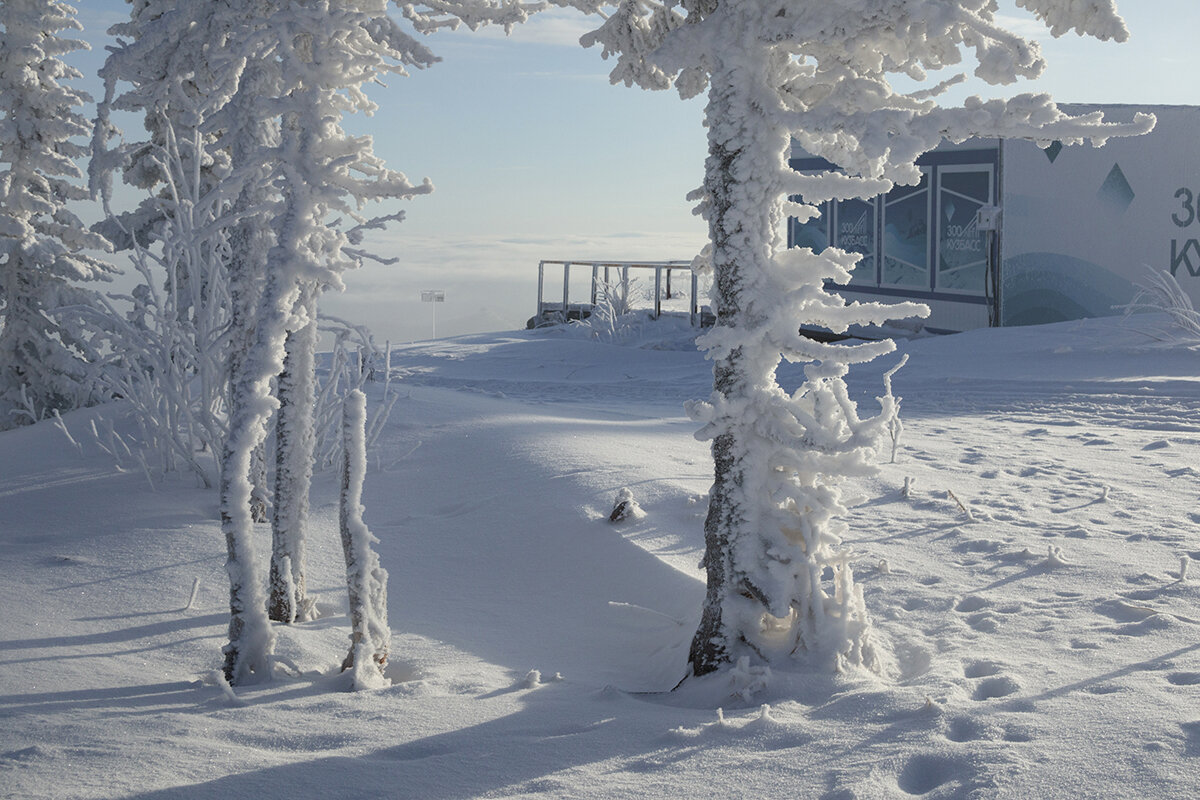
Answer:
(1052, 287)
(1116, 192)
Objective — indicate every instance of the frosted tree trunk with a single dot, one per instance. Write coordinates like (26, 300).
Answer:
(778, 588)
(247, 654)
(249, 242)
(740, 250)
(366, 580)
(294, 446)
(258, 483)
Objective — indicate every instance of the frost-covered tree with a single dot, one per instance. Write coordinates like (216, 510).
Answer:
(366, 580)
(819, 73)
(265, 84)
(326, 53)
(43, 246)
(204, 223)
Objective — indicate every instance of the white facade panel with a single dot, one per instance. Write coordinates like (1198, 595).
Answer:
(1081, 224)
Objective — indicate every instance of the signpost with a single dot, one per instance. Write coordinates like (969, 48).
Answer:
(433, 296)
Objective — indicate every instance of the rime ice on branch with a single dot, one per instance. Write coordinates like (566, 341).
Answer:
(816, 73)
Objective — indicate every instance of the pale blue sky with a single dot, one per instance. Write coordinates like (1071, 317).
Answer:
(535, 155)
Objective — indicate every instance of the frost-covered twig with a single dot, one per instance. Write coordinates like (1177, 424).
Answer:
(62, 426)
(635, 607)
(965, 510)
(895, 426)
(191, 603)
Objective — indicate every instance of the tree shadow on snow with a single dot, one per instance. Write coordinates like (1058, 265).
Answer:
(153, 696)
(556, 730)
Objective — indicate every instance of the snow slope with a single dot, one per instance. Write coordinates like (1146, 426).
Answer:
(1044, 642)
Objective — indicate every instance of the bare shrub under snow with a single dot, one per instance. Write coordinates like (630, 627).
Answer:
(1158, 291)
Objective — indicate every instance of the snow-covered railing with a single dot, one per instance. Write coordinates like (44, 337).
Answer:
(606, 289)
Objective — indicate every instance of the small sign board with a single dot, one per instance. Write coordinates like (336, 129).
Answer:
(433, 296)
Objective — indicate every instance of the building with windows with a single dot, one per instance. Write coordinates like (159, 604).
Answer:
(1004, 232)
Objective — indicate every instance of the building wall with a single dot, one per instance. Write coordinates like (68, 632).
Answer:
(1082, 224)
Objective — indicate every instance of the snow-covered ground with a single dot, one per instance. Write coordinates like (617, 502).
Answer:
(1045, 643)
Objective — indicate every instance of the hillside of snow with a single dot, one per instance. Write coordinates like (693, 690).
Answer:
(1025, 559)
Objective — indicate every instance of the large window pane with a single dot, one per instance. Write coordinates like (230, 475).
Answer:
(856, 234)
(962, 247)
(906, 235)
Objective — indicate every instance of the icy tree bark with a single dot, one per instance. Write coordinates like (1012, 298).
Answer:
(366, 580)
(731, 243)
(294, 444)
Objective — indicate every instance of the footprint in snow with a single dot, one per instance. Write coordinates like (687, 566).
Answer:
(969, 605)
(984, 622)
(981, 669)
(949, 775)
(994, 688)
(1017, 734)
(1184, 678)
(965, 729)
(1192, 731)
(977, 546)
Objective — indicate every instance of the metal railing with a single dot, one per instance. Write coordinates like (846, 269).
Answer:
(604, 268)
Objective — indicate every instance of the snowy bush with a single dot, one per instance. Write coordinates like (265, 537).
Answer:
(1158, 291)
(354, 362)
(170, 337)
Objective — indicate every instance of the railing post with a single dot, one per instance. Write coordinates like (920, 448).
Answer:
(625, 286)
(541, 283)
(695, 310)
(566, 288)
(595, 276)
(657, 292)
